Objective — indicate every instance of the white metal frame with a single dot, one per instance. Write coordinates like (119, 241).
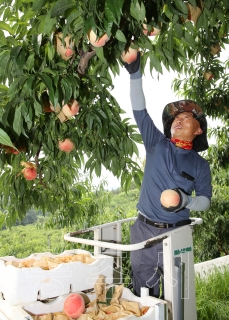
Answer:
(179, 276)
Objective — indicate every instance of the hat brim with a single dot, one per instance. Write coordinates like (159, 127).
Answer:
(172, 109)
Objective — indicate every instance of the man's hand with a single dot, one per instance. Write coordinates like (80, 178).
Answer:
(133, 66)
(173, 200)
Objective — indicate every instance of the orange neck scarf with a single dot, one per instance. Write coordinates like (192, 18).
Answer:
(188, 145)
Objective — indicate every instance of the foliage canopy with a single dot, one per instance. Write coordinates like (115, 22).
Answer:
(34, 75)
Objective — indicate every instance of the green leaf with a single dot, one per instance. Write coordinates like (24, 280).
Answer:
(14, 53)
(6, 27)
(38, 4)
(188, 39)
(167, 12)
(89, 24)
(178, 30)
(2, 38)
(67, 89)
(119, 35)
(138, 11)
(109, 294)
(37, 108)
(50, 22)
(30, 62)
(113, 10)
(170, 40)
(18, 123)
(61, 6)
(50, 71)
(21, 59)
(193, 2)
(16, 84)
(2, 220)
(28, 14)
(181, 6)
(5, 139)
(48, 82)
(99, 53)
(155, 63)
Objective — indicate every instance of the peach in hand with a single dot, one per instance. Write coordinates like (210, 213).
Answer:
(129, 55)
(170, 198)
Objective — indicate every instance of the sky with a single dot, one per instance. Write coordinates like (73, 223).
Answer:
(157, 94)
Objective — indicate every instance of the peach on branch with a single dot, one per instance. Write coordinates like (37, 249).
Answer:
(47, 106)
(29, 171)
(74, 305)
(11, 150)
(208, 75)
(71, 108)
(215, 49)
(66, 145)
(97, 41)
(169, 198)
(152, 32)
(129, 55)
(65, 49)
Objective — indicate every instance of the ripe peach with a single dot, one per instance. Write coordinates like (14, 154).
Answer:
(170, 198)
(130, 55)
(66, 145)
(95, 41)
(10, 150)
(71, 108)
(48, 107)
(65, 51)
(153, 32)
(29, 173)
(74, 305)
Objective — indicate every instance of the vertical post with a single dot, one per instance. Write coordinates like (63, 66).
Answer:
(180, 287)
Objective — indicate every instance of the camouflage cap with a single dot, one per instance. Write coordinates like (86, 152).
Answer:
(172, 109)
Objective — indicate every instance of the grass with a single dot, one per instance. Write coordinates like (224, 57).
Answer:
(212, 295)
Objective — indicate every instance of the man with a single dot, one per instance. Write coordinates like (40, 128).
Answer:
(172, 162)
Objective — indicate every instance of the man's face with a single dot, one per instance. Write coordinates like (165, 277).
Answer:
(185, 127)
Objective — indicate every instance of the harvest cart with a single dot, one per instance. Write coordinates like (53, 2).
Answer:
(179, 301)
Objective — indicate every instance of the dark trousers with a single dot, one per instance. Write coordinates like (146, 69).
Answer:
(147, 263)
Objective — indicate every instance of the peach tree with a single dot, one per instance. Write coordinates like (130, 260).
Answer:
(60, 54)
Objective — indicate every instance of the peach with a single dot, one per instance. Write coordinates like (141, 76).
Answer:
(208, 76)
(48, 107)
(170, 198)
(153, 32)
(66, 145)
(129, 55)
(95, 41)
(29, 173)
(65, 51)
(74, 305)
(11, 150)
(215, 49)
(71, 108)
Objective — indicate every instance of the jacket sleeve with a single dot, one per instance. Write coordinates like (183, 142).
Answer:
(150, 133)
